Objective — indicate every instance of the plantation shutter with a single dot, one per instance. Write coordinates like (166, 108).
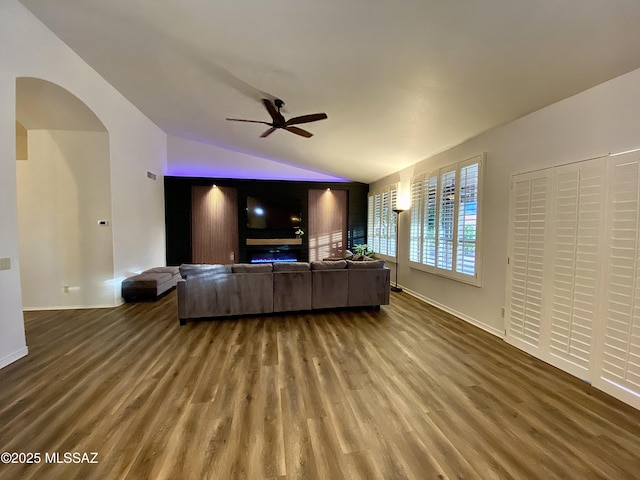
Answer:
(579, 200)
(430, 220)
(467, 216)
(384, 224)
(620, 362)
(444, 236)
(446, 220)
(528, 224)
(393, 203)
(377, 227)
(370, 218)
(415, 229)
(381, 233)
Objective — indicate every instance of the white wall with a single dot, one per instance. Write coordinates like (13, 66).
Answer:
(63, 190)
(136, 145)
(602, 120)
(186, 158)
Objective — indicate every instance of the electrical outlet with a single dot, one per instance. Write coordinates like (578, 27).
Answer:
(5, 263)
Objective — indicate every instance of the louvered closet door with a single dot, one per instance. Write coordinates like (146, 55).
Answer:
(578, 203)
(529, 215)
(619, 359)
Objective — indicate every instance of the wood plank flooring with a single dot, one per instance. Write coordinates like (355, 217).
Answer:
(406, 392)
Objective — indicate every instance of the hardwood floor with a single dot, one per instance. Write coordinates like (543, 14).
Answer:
(404, 392)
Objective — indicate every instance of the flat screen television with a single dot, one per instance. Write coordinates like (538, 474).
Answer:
(273, 212)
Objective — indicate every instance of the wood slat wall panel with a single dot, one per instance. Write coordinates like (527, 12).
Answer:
(328, 212)
(214, 226)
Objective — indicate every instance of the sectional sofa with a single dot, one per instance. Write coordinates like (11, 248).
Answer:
(242, 289)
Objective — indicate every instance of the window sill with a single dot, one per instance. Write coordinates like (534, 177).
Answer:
(469, 280)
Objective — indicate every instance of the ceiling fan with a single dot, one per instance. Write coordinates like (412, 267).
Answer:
(280, 122)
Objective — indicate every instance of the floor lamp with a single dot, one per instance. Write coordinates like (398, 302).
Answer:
(397, 211)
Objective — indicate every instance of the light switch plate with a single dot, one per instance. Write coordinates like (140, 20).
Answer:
(5, 263)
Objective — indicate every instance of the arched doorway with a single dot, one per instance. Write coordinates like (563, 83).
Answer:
(64, 199)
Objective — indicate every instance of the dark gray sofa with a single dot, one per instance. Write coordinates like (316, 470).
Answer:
(241, 289)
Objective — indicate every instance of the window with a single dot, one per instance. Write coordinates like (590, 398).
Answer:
(445, 221)
(381, 224)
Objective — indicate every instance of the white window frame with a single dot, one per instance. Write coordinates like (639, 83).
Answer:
(437, 216)
(381, 221)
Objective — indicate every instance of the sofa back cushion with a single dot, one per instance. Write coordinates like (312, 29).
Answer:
(291, 267)
(329, 265)
(252, 268)
(191, 269)
(171, 270)
(352, 264)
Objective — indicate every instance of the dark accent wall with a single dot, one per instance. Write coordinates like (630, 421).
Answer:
(178, 217)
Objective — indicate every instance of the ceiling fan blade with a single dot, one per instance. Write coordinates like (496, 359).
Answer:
(314, 117)
(268, 132)
(273, 111)
(298, 131)
(249, 121)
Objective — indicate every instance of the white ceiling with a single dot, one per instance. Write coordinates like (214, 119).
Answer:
(399, 80)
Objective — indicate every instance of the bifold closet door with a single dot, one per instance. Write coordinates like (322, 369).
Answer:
(573, 296)
(555, 263)
(578, 204)
(529, 218)
(619, 356)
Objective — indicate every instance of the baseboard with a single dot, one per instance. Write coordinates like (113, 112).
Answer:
(455, 313)
(67, 307)
(13, 357)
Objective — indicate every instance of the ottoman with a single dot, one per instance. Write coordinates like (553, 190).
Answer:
(150, 284)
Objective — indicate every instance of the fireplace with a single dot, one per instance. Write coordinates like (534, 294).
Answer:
(273, 250)
(273, 255)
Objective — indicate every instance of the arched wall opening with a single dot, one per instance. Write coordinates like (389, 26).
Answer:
(63, 199)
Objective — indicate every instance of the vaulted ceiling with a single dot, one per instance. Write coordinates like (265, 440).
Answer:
(399, 80)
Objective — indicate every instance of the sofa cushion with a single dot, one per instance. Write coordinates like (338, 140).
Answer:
(329, 265)
(187, 269)
(225, 294)
(329, 288)
(171, 270)
(292, 290)
(368, 286)
(252, 268)
(365, 264)
(291, 267)
(361, 258)
(147, 280)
